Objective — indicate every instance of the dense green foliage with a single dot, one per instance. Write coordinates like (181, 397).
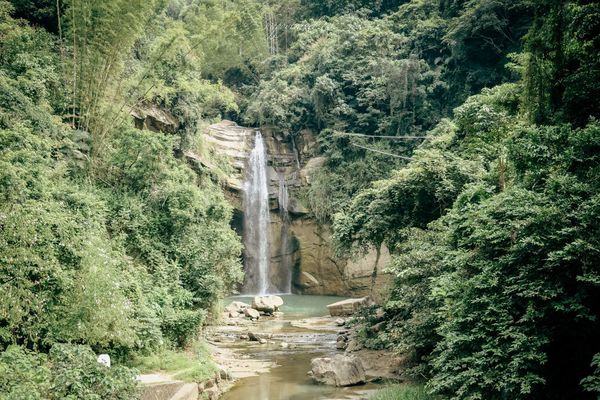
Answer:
(461, 134)
(193, 365)
(490, 217)
(491, 227)
(401, 392)
(391, 69)
(497, 290)
(107, 240)
(68, 372)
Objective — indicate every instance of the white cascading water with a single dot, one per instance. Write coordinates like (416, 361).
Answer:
(256, 225)
(283, 195)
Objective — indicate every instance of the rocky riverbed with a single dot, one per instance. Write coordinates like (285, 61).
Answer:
(270, 357)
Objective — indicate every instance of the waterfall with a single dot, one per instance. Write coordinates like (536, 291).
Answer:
(256, 221)
(285, 244)
(283, 195)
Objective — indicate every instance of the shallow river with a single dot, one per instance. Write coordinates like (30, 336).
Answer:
(289, 379)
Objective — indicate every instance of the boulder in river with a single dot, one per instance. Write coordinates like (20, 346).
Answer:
(237, 307)
(252, 313)
(267, 304)
(347, 307)
(339, 370)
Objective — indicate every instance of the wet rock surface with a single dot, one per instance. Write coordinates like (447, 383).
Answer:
(277, 368)
(292, 164)
(340, 370)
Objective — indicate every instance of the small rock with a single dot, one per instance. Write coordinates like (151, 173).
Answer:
(284, 345)
(307, 280)
(208, 384)
(252, 313)
(244, 337)
(353, 345)
(225, 374)
(104, 359)
(262, 341)
(340, 322)
(212, 393)
(341, 345)
(255, 336)
(237, 307)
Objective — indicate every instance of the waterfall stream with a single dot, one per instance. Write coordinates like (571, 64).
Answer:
(285, 244)
(256, 222)
(283, 195)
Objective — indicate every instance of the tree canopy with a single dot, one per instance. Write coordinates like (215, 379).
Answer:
(461, 134)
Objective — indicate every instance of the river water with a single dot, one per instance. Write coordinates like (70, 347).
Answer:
(257, 220)
(289, 379)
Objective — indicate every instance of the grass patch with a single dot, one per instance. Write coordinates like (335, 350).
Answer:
(402, 392)
(193, 365)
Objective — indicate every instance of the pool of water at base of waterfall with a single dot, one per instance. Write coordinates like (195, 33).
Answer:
(289, 379)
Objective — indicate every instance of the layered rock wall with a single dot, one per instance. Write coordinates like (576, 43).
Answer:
(308, 252)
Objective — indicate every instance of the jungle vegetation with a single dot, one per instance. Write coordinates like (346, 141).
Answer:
(461, 134)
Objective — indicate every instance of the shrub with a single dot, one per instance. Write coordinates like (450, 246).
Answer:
(70, 372)
(76, 374)
(402, 392)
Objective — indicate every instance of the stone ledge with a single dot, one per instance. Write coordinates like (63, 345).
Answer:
(347, 307)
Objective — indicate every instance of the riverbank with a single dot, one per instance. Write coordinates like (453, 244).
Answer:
(275, 364)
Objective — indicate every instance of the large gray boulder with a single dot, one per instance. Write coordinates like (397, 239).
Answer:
(267, 304)
(348, 307)
(338, 371)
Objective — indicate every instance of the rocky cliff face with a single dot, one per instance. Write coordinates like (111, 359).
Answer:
(296, 240)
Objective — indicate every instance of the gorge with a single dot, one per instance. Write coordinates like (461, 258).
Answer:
(187, 187)
(297, 249)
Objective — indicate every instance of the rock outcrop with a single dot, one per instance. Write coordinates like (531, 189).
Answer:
(307, 250)
(339, 370)
(347, 307)
(154, 118)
